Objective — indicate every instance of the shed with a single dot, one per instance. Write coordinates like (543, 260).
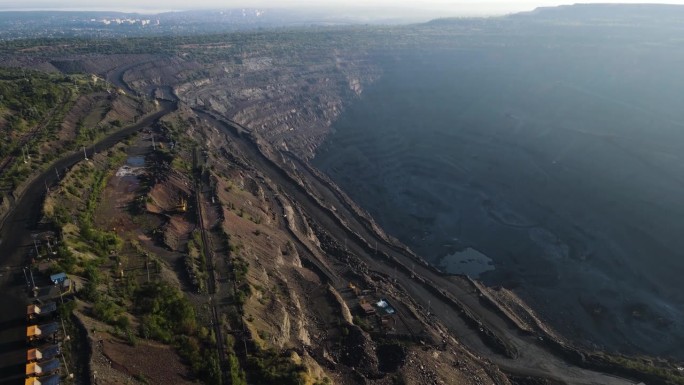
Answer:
(38, 369)
(50, 366)
(33, 311)
(49, 380)
(387, 322)
(385, 306)
(58, 278)
(48, 307)
(50, 351)
(367, 308)
(35, 332)
(49, 329)
(33, 355)
(45, 352)
(67, 285)
(32, 369)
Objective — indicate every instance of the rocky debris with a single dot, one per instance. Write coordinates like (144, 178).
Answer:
(358, 352)
(102, 372)
(292, 107)
(176, 232)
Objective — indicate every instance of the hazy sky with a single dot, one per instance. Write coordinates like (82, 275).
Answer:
(439, 7)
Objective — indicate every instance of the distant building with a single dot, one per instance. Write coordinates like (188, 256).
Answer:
(388, 322)
(367, 308)
(43, 353)
(58, 278)
(48, 380)
(34, 332)
(43, 368)
(35, 311)
(385, 306)
(67, 287)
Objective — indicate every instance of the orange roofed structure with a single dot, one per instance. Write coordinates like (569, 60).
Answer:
(33, 355)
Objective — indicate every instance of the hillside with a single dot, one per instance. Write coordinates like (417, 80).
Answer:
(173, 181)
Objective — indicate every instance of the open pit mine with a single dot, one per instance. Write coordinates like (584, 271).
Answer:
(186, 236)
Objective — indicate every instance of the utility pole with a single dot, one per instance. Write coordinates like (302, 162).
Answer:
(59, 286)
(35, 245)
(28, 283)
(33, 281)
(50, 248)
(69, 375)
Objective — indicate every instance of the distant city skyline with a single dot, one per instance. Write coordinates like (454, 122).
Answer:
(395, 8)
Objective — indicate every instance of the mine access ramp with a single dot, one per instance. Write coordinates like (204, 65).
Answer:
(49, 380)
(35, 311)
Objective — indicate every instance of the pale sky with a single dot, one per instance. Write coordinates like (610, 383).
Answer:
(443, 8)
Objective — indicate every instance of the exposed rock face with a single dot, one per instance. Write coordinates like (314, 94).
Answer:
(288, 101)
(311, 255)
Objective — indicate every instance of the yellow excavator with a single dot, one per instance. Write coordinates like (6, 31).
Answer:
(182, 205)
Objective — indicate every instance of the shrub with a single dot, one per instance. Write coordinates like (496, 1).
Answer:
(269, 367)
(166, 312)
(106, 311)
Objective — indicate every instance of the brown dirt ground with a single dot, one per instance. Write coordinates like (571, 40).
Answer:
(159, 364)
(432, 366)
(114, 362)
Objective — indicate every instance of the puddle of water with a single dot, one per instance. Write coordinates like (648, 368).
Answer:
(469, 261)
(136, 161)
(135, 165)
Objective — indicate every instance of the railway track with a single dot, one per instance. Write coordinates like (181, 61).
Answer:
(211, 273)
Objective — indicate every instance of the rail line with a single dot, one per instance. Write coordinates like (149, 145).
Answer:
(211, 274)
